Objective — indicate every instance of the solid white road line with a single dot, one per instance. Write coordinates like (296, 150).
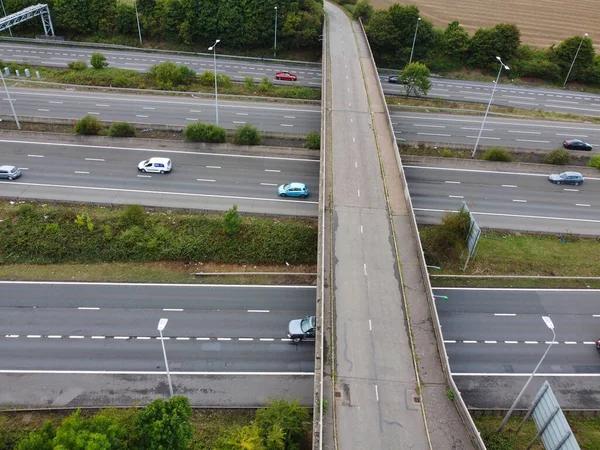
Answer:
(504, 314)
(117, 372)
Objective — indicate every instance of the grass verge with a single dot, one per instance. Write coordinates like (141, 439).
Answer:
(586, 429)
(517, 254)
(439, 105)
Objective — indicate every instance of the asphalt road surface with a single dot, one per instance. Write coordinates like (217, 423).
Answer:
(504, 132)
(499, 334)
(68, 330)
(505, 200)
(103, 174)
(161, 109)
(60, 56)
(507, 94)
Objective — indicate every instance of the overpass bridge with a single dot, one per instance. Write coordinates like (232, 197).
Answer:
(381, 372)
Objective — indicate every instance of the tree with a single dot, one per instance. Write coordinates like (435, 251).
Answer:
(232, 221)
(415, 78)
(39, 440)
(564, 54)
(503, 40)
(456, 41)
(288, 417)
(98, 61)
(363, 10)
(164, 425)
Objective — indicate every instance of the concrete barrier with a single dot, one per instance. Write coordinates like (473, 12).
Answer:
(458, 400)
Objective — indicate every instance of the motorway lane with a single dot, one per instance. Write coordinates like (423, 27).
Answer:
(59, 169)
(498, 331)
(53, 326)
(175, 111)
(518, 201)
(507, 94)
(513, 133)
(60, 56)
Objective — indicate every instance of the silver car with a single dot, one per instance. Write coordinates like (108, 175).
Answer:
(9, 172)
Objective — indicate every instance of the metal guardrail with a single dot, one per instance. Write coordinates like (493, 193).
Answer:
(516, 277)
(317, 434)
(458, 400)
(152, 50)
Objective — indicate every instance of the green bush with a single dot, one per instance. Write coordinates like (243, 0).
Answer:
(205, 132)
(446, 153)
(105, 77)
(313, 141)
(595, 161)
(133, 235)
(247, 135)
(265, 84)
(496, 441)
(77, 65)
(249, 82)
(364, 10)
(208, 79)
(98, 61)
(232, 221)
(169, 75)
(444, 243)
(88, 125)
(289, 417)
(497, 154)
(121, 129)
(558, 156)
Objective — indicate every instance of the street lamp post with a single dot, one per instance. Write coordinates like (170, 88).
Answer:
(502, 66)
(275, 44)
(162, 323)
(4, 9)
(414, 40)
(137, 17)
(573, 63)
(549, 324)
(12, 107)
(214, 50)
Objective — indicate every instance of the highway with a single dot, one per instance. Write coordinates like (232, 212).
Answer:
(455, 129)
(106, 174)
(499, 334)
(101, 328)
(505, 200)
(60, 56)
(161, 109)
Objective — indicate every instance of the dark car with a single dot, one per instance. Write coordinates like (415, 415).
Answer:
(300, 329)
(393, 79)
(576, 144)
(566, 178)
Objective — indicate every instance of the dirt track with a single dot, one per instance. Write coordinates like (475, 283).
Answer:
(542, 22)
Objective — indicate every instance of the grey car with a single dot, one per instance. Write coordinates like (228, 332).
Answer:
(300, 329)
(9, 172)
(566, 178)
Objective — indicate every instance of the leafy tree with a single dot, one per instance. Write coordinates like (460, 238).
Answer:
(535, 64)
(75, 16)
(415, 78)
(232, 221)
(565, 52)
(125, 21)
(289, 417)
(242, 438)
(39, 440)
(98, 61)
(503, 40)
(456, 41)
(364, 10)
(164, 425)
(247, 135)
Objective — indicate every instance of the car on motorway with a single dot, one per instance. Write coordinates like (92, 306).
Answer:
(286, 76)
(156, 165)
(300, 329)
(393, 79)
(9, 172)
(577, 144)
(293, 190)
(566, 178)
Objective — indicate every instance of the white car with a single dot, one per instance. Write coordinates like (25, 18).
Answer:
(158, 165)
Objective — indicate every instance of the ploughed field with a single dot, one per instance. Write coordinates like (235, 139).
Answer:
(542, 22)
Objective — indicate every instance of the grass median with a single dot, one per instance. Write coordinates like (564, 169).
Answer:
(93, 243)
(515, 254)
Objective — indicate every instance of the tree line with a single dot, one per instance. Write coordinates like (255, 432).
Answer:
(391, 32)
(240, 25)
(167, 425)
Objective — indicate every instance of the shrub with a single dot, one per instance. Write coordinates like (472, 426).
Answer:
(232, 221)
(265, 84)
(496, 441)
(169, 75)
(77, 65)
(88, 125)
(132, 215)
(444, 243)
(98, 61)
(558, 156)
(247, 135)
(497, 154)
(249, 82)
(595, 161)
(205, 132)
(121, 129)
(290, 417)
(364, 10)
(313, 141)
(208, 79)
(446, 153)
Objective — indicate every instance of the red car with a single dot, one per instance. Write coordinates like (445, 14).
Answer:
(285, 76)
